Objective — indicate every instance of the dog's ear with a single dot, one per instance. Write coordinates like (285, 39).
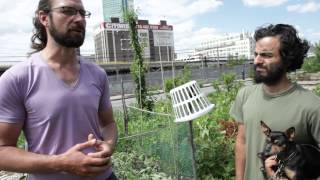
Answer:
(290, 133)
(265, 129)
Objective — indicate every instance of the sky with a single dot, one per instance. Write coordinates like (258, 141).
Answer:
(193, 21)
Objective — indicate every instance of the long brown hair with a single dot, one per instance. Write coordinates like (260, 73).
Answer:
(39, 37)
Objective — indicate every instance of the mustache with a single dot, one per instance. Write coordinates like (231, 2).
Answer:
(259, 66)
(77, 28)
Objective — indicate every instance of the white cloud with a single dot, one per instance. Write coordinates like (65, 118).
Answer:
(312, 34)
(174, 10)
(316, 34)
(16, 20)
(304, 8)
(16, 44)
(264, 3)
(16, 25)
(188, 39)
(182, 15)
(16, 16)
(96, 18)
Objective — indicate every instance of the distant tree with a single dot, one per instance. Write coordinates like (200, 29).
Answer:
(312, 64)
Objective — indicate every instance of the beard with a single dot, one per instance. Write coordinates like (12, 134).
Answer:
(274, 74)
(73, 38)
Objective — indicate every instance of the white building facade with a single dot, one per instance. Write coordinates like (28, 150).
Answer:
(240, 45)
(112, 42)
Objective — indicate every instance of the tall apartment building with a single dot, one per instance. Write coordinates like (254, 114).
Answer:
(112, 41)
(230, 45)
(115, 8)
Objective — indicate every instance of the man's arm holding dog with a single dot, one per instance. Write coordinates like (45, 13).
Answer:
(240, 152)
(269, 163)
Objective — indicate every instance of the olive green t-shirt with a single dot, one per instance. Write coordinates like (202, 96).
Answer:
(297, 107)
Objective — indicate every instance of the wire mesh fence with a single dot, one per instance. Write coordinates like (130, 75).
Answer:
(156, 136)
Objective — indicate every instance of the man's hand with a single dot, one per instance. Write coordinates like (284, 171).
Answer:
(104, 150)
(76, 162)
(269, 163)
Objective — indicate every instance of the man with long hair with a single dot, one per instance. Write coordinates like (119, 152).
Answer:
(60, 101)
(274, 99)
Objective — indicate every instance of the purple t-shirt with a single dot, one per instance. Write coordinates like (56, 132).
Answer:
(55, 115)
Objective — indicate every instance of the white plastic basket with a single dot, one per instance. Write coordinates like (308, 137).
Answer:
(188, 102)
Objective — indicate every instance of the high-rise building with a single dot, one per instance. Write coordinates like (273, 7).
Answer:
(115, 8)
(112, 41)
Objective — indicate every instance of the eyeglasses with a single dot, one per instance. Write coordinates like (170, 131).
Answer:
(71, 11)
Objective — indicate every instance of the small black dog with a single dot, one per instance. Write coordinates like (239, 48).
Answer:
(295, 161)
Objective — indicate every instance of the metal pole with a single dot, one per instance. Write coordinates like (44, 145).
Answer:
(202, 73)
(125, 112)
(162, 76)
(244, 71)
(194, 167)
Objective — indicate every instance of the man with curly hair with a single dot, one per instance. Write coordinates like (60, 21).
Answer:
(274, 99)
(60, 101)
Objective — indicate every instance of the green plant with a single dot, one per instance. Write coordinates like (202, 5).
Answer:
(215, 153)
(21, 141)
(137, 67)
(136, 165)
(312, 64)
(178, 80)
(317, 90)
(215, 157)
(228, 80)
(214, 149)
(216, 85)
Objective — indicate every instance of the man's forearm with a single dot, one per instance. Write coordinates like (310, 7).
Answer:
(18, 160)
(240, 160)
(110, 134)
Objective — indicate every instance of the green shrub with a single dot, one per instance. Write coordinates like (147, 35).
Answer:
(215, 151)
(317, 90)
(311, 65)
(178, 80)
(136, 165)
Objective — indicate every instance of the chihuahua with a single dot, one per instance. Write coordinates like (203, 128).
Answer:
(295, 161)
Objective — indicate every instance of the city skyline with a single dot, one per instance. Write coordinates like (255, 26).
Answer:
(194, 21)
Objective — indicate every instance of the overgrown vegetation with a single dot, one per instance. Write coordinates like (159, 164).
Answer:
(216, 132)
(136, 164)
(213, 135)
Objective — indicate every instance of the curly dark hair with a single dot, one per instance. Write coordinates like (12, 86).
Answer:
(39, 37)
(293, 50)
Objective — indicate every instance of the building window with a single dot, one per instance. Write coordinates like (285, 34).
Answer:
(125, 44)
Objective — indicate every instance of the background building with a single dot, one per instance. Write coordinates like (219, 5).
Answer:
(115, 8)
(240, 45)
(112, 41)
